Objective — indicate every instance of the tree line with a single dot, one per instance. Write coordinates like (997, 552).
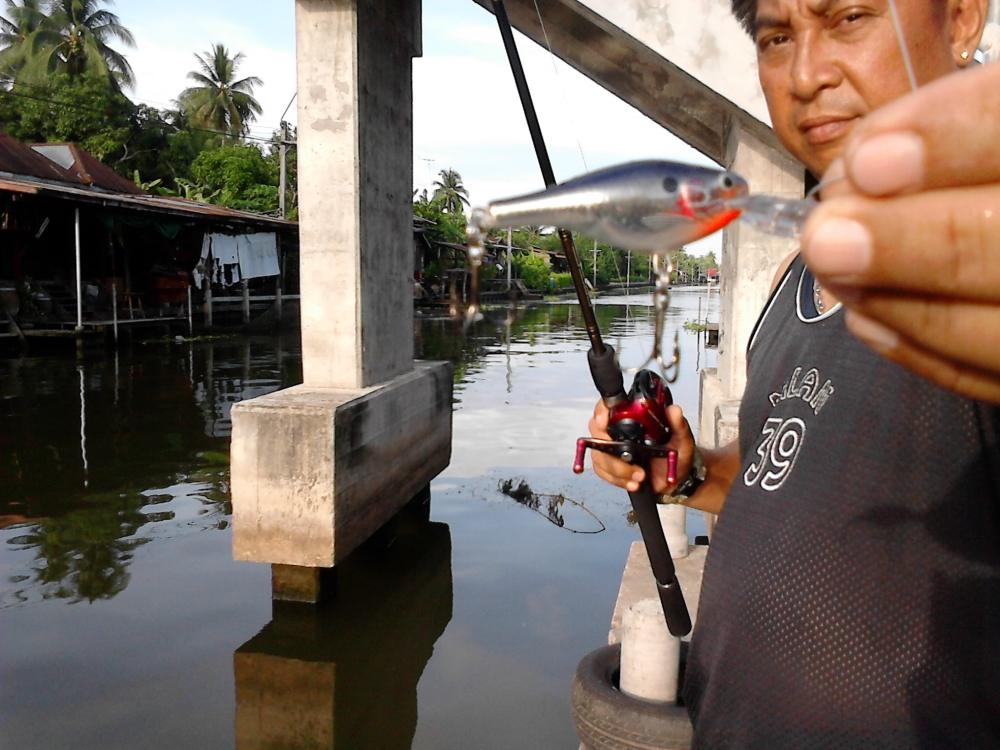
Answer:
(64, 78)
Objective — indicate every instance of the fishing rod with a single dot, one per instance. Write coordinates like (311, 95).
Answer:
(637, 418)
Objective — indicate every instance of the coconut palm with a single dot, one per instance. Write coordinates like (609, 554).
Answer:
(450, 191)
(221, 102)
(17, 26)
(75, 39)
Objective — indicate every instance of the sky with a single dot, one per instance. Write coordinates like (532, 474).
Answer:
(466, 113)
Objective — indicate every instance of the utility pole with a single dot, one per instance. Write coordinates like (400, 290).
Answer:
(595, 265)
(509, 259)
(282, 178)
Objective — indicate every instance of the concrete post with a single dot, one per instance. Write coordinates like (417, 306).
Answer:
(673, 519)
(79, 280)
(749, 257)
(318, 468)
(355, 179)
(650, 660)
(749, 261)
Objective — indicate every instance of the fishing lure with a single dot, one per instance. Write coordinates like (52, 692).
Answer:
(649, 207)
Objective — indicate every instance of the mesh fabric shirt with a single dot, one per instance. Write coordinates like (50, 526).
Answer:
(851, 595)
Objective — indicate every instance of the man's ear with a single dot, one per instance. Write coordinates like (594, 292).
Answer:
(966, 19)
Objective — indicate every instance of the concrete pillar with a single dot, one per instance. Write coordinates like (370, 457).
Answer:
(355, 146)
(749, 261)
(749, 257)
(319, 467)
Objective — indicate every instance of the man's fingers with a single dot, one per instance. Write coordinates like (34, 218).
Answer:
(966, 333)
(616, 471)
(939, 243)
(969, 382)
(910, 144)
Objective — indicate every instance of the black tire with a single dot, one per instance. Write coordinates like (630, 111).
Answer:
(607, 719)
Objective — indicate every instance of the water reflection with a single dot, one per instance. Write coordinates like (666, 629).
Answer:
(146, 656)
(345, 676)
(97, 459)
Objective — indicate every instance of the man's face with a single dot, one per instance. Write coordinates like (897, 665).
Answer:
(824, 64)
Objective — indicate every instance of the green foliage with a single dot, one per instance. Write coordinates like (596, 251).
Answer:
(242, 176)
(533, 271)
(74, 37)
(220, 101)
(447, 227)
(17, 31)
(81, 109)
(690, 269)
(450, 192)
(562, 280)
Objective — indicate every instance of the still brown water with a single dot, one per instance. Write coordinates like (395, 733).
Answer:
(125, 622)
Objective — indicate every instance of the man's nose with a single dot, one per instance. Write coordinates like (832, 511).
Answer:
(812, 67)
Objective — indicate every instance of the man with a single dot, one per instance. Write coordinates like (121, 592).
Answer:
(851, 596)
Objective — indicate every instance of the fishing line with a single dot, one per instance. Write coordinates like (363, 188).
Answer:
(562, 93)
(903, 49)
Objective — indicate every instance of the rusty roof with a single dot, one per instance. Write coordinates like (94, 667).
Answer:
(87, 168)
(19, 159)
(23, 169)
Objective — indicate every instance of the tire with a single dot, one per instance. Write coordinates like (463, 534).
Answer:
(607, 719)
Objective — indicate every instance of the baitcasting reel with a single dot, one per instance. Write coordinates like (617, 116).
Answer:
(638, 426)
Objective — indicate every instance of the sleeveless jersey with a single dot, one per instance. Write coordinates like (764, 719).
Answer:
(851, 596)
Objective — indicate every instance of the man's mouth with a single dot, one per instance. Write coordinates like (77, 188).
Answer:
(826, 129)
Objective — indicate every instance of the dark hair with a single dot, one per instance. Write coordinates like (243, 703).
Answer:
(746, 13)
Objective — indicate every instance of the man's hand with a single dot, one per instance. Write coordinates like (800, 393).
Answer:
(628, 476)
(910, 239)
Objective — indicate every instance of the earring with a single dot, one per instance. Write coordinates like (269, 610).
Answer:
(965, 54)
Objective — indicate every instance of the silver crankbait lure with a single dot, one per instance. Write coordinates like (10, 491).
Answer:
(645, 206)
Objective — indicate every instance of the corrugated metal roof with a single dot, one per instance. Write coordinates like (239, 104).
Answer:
(24, 170)
(177, 207)
(19, 159)
(86, 168)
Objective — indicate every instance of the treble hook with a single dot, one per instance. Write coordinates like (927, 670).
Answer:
(661, 302)
(476, 251)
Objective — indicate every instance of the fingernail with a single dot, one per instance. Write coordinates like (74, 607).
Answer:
(632, 487)
(888, 163)
(838, 247)
(876, 335)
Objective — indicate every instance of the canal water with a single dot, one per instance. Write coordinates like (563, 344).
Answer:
(125, 623)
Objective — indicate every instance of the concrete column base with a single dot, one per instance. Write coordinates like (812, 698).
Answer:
(638, 583)
(316, 471)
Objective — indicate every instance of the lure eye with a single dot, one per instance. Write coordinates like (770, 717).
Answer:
(727, 181)
(670, 184)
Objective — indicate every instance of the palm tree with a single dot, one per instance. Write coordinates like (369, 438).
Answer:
(221, 102)
(75, 39)
(16, 30)
(450, 191)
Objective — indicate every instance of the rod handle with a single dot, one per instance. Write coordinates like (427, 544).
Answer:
(607, 375)
(675, 610)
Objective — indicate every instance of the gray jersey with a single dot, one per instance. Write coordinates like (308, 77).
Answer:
(851, 596)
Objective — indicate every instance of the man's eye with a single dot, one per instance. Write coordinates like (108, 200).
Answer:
(850, 19)
(775, 40)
